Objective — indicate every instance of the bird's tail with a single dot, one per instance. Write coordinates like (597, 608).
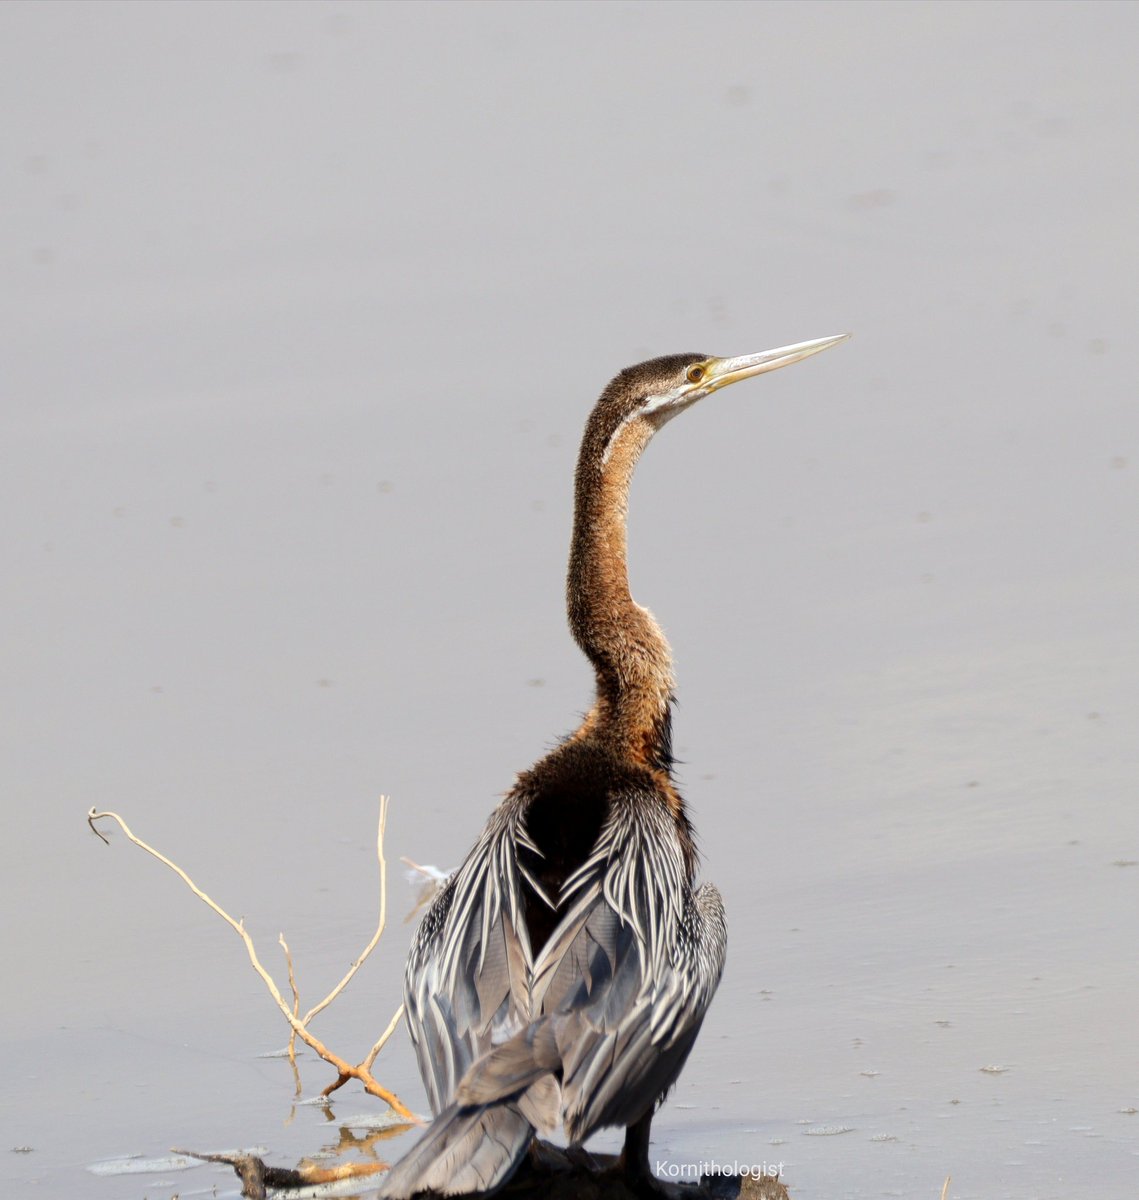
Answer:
(476, 1144)
(471, 1149)
(521, 1067)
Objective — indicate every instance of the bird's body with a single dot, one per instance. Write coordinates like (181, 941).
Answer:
(561, 976)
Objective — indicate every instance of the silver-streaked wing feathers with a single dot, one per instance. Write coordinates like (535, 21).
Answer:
(621, 987)
(588, 1034)
(467, 977)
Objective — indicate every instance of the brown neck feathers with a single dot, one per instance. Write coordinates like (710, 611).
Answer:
(621, 639)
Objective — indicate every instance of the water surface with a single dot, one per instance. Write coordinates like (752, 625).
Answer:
(304, 307)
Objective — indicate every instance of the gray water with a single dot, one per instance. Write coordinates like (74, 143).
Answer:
(303, 309)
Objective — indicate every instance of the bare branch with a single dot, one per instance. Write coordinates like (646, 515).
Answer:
(393, 1025)
(296, 1011)
(382, 826)
(345, 1070)
(257, 1177)
(237, 926)
(95, 829)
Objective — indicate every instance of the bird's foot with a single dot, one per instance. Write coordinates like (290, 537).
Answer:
(639, 1179)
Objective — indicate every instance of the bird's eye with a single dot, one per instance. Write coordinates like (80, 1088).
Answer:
(695, 374)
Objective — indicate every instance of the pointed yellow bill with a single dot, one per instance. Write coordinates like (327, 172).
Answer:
(722, 371)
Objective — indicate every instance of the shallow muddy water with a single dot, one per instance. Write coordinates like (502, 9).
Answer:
(304, 307)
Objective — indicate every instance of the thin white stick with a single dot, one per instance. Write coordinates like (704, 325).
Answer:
(383, 822)
(393, 1024)
(237, 926)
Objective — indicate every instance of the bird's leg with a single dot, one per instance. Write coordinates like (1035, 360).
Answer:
(634, 1161)
(635, 1156)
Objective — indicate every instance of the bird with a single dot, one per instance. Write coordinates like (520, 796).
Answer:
(560, 977)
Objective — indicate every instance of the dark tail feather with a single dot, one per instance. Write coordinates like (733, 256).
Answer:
(511, 1068)
(464, 1150)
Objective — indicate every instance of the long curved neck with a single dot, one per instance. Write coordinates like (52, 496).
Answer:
(628, 651)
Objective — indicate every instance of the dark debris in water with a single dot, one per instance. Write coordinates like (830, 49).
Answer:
(550, 1174)
(255, 1175)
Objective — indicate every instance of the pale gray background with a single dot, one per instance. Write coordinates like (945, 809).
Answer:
(303, 308)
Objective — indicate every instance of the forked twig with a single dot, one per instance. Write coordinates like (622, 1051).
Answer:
(296, 1008)
(346, 1070)
(380, 830)
(393, 1025)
